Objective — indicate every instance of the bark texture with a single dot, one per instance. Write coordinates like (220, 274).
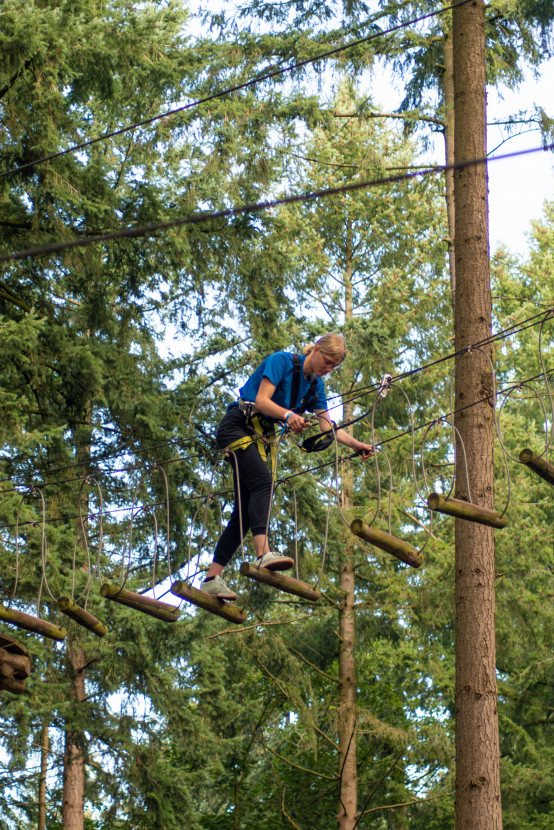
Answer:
(478, 805)
(347, 679)
(448, 93)
(73, 759)
(348, 782)
(44, 749)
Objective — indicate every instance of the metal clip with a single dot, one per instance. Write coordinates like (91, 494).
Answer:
(386, 383)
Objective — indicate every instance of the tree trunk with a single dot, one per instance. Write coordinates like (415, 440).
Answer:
(73, 759)
(44, 747)
(348, 780)
(448, 92)
(347, 676)
(477, 748)
(74, 756)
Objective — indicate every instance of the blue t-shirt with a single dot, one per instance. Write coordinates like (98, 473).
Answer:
(278, 368)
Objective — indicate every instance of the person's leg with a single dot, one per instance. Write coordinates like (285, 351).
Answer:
(253, 495)
(253, 486)
(230, 539)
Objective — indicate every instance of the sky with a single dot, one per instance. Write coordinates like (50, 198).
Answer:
(518, 186)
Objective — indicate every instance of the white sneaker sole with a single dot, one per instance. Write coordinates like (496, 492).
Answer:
(283, 564)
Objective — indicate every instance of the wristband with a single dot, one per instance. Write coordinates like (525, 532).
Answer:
(287, 416)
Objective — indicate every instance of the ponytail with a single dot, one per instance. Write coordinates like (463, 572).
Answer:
(332, 345)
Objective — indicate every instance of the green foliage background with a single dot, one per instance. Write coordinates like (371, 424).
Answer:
(118, 359)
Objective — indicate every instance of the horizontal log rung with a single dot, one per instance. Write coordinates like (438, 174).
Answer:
(208, 602)
(14, 665)
(467, 510)
(146, 605)
(82, 616)
(281, 581)
(12, 684)
(30, 623)
(538, 465)
(387, 542)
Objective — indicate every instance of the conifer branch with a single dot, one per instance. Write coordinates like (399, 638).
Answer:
(413, 519)
(404, 804)
(405, 116)
(292, 764)
(312, 665)
(16, 76)
(255, 625)
(10, 297)
(272, 676)
(327, 738)
(363, 811)
(285, 812)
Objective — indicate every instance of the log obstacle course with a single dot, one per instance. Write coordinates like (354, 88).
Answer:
(288, 584)
(538, 465)
(15, 665)
(30, 623)
(81, 616)
(147, 605)
(467, 510)
(385, 541)
(208, 602)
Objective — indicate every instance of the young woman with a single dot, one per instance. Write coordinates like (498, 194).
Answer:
(266, 398)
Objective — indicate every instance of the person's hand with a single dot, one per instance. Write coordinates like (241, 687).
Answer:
(365, 451)
(297, 423)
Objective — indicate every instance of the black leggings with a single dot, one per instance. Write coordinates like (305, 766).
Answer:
(253, 487)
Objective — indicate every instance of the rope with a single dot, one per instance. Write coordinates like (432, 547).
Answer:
(362, 392)
(198, 218)
(272, 74)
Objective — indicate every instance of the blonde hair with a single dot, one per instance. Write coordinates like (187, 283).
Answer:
(330, 344)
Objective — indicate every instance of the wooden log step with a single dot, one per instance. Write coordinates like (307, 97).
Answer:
(81, 616)
(18, 665)
(34, 624)
(15, 665)
(281, 581)
(208, 602)
(147, 605)
(466, 510)
(539, 466)
(385, 541)
(12, 684)
(13, 646)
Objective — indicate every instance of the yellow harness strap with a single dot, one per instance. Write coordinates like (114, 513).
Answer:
(264, 448)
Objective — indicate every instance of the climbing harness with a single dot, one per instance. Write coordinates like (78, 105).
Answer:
(264, 425)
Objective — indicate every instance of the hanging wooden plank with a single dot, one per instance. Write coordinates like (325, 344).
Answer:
(146, 605)
(208, 602)
(539, 466)
(466, 510)
(281, 581)
(385, 541)
(30, 623)
(15, 665)
(82, 616)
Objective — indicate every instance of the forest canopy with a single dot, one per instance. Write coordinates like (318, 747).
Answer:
(119, 356)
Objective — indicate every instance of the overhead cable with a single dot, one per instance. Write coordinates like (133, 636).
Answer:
(198, 218)
(350, 397)
(516, 328)
(254, 81)
(346, 457)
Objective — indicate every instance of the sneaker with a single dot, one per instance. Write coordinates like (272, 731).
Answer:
(216, 587)
(274, 561)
